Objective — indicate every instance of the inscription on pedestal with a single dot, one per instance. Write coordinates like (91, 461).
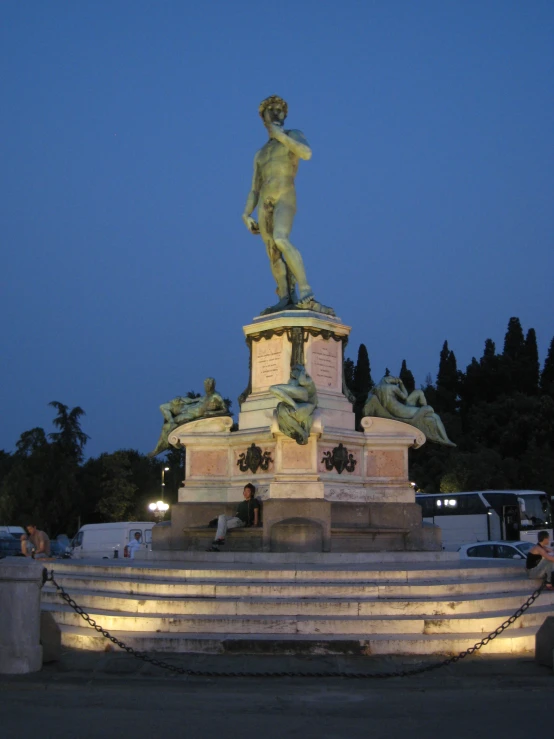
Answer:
(325, 357)
(269, 363)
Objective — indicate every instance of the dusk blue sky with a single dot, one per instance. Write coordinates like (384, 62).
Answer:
(128, 130)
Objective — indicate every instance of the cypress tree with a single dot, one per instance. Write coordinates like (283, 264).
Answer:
(531, 369)
(490, 349)
(547, 374)
(348, 370)
(469, 386)
(514, 343)
(519, 367)
(407, 377)
(362, 376)
(492, 382)
(362, 382)
(448, 381)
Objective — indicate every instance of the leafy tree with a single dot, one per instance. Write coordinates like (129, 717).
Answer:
(175, 460)
(479, 470)
(122, 483)
(30, 442)
(70, 437)
(117, 491)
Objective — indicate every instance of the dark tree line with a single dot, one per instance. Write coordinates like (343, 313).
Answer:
(499, 412)
(47, 481)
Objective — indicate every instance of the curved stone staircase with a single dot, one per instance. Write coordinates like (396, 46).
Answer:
(360, 608)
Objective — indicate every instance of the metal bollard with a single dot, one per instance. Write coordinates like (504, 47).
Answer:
(20, 586)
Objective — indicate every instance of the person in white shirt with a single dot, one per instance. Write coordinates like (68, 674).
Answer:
(134, 544)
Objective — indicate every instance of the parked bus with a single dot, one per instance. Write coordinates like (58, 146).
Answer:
(487, 515)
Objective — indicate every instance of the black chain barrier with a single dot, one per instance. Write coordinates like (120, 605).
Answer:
(357, 675)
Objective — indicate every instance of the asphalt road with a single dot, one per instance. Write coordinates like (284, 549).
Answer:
(111, 696)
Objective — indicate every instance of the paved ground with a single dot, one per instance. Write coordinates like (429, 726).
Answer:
(90, 695)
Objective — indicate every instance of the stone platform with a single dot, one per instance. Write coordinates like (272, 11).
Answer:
(342, 491)
(333, 604)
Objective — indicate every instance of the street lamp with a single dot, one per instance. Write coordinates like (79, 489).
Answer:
(164, 470)
(159, 509)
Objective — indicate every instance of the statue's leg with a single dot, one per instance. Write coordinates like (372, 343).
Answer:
(278, 266)
(283, 218)
(162, 444)
(416, 397)
(443, 436)
(163, 441)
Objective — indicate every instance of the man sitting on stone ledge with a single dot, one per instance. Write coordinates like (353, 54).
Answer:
(39, 543)
(248, 514)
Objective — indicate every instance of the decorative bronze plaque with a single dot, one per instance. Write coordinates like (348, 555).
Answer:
(254, 459)
(339, 459)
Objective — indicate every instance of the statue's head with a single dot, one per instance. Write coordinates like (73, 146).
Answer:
(209, 385)
(273, 110)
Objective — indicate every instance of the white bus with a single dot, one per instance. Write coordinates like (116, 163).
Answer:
(487, 515)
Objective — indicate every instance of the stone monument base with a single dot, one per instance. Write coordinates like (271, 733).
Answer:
(305, 526)
(341, 491)
(344, 491)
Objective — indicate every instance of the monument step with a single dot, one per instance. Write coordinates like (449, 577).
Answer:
(297, 624)
(207, 588)
(147, 604)
(511, 641)
(327, 559)
(262, 572)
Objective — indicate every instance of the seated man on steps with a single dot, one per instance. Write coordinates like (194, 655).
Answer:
(248, 514)
(540, 560)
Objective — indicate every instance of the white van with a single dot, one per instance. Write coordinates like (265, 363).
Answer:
(109, 540)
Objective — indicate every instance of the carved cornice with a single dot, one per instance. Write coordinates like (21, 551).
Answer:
(306, 332)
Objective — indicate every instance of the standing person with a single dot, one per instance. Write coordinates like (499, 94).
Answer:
(134, 544)
(248, 514)
(540, 559)
(40, 543)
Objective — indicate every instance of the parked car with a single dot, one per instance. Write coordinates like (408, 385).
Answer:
(10, 546)
(495, 550)
(60, 546)
(15, 531)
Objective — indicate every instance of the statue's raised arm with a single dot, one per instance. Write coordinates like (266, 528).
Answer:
(295, 141)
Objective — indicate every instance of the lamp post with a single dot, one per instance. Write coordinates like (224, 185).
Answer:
(159, 509)
(164, 470)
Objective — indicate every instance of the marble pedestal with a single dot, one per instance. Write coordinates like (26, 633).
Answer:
(344, 491)
(279, 341)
